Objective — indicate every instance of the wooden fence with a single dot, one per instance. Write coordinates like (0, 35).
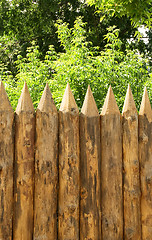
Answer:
(68, 176)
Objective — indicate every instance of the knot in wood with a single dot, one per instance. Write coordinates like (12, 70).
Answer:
(145, 138)
(132, 119)
(71, 209)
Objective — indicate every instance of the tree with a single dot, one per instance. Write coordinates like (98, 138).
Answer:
(23, 21)
(29, 20)
(140, 12)
(81, 64)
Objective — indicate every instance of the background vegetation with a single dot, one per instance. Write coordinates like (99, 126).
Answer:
(71, 41)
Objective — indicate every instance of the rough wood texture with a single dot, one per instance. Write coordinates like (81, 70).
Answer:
(131, 185)
(111, 170)
(24, 168)
(46, 172)
(90, 212)
(68, 168)
(145, 159)
(6, 165)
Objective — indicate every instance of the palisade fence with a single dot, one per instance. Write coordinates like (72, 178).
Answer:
(68, 176)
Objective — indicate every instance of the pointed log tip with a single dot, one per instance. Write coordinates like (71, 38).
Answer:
(129, 104)
(4, 103)
(89, 88)
(68, 103)
(1, 84)
(2, 88)
(89, 107)
(110, 105)
(25, 102)
(46, 103)
(145, 108)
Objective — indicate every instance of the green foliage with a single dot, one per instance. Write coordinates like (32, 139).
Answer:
(139, 11)
(34, 72)
(29, 20)
(9, 49)
(81, 64)
(24, 21)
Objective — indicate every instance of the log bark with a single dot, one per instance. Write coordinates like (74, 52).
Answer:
(6, 165)
(24, 168)
(131, 187)
(111, 170)
(90, 205)
(145, 158)
(69, 183)
(46, 169)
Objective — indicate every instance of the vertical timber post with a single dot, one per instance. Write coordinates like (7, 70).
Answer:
(24, 168)
(46, 171)
(131, 185)
(111, 170)
(69, 182)
(6, 165)
(90, 213)
(145, 159)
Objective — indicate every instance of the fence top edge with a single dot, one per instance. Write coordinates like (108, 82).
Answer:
(89, 107)
(129, 104)
(5, 105)
(145, 107)
(46, 103)
(25, 102)
(110, 105)
(68, 103)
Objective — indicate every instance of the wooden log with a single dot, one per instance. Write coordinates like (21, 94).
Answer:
(69, 182)
(145, 159)
(46, 170)
(131, 185)
(6, 165)
(111, 170)
(90, 205)
(24, 168)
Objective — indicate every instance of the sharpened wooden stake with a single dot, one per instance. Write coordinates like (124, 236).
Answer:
(6, 165)
(46, 170)
(69, 183)
(131, 185)
(24, 168)
(111, 170)
(90, 212)
(145, 159)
